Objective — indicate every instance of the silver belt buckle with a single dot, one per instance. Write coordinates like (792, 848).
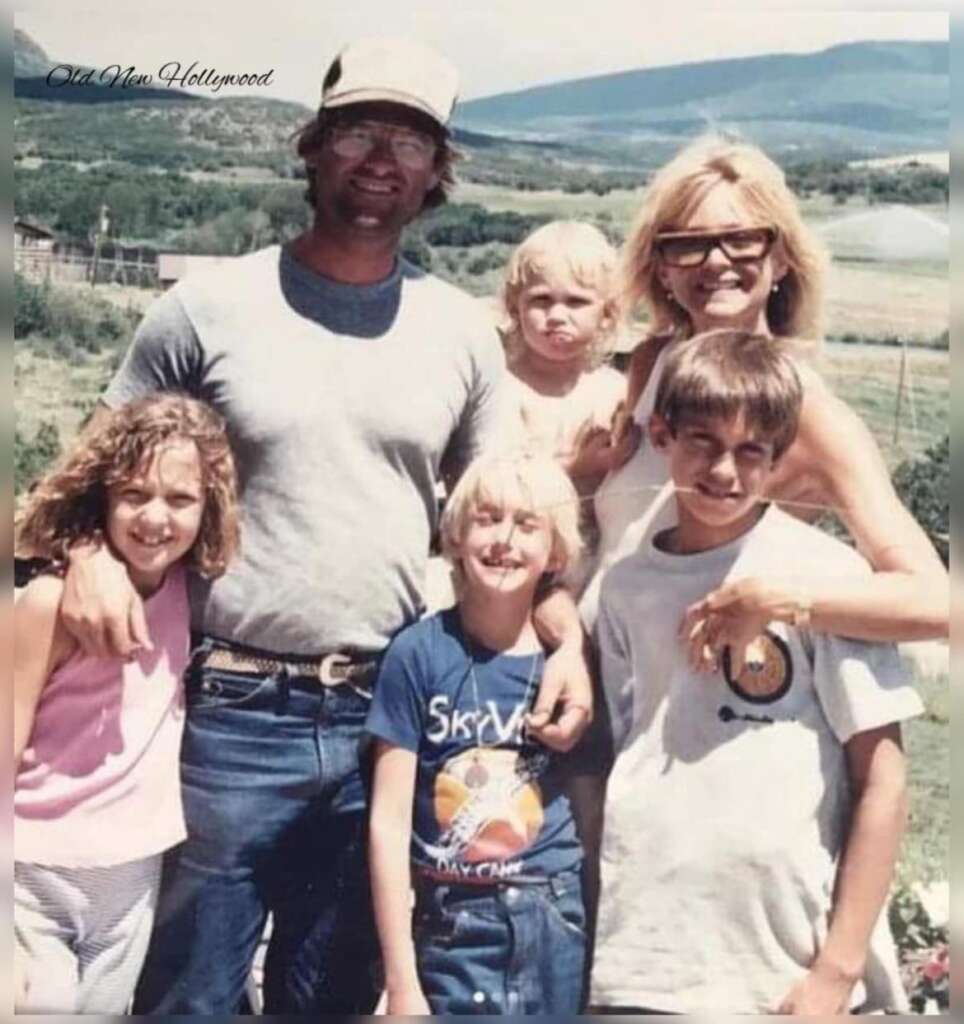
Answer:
(328, 662)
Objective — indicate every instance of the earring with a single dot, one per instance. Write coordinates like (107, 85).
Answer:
(671, 298)
(775, 287)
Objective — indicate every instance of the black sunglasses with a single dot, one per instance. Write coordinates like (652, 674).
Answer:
(691, 249)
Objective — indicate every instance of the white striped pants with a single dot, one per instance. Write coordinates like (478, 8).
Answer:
(81, 935)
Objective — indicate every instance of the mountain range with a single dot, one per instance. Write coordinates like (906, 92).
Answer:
(866, 97)
(863, 99)
(32, 66)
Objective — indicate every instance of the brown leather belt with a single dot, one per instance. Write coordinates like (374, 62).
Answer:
(328, 669)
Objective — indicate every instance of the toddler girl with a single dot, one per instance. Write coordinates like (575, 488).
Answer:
(96, 740)
(560, 320)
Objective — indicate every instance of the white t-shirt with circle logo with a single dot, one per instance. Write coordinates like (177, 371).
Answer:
(729, 799)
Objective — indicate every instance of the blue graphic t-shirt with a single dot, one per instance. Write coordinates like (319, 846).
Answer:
(489, 803)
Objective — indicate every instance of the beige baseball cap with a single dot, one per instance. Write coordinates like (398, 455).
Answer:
(394, 69)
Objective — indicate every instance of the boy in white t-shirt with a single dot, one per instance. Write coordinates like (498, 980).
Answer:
(753, 815)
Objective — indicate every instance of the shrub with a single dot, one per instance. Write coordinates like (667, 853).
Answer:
(924, 486)
(29, 309)
(488, 259)
(416, 251)
(78, 320)
(32, 457)
(924, 953)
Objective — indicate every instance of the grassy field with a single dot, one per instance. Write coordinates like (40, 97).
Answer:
(867, 378)
(48, 388)
(878, 299)
(926, 852)
(621, 204)
(866, 298)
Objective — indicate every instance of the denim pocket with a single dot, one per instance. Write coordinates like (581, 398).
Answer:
(567, 908)
(216, 689)
(434, 927)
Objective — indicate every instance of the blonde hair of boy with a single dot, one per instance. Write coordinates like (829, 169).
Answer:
(565, 248)
(725, 372)
(536, 483)
(678, 188)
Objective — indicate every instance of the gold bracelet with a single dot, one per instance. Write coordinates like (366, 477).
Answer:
(802, 611)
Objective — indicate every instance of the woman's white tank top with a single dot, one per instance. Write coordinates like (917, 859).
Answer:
(634, 502)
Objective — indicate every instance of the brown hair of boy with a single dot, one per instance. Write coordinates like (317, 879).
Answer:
(724, 372)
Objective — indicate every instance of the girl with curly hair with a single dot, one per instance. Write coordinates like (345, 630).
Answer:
(96, 740)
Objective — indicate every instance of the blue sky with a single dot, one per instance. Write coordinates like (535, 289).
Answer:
(498, 45)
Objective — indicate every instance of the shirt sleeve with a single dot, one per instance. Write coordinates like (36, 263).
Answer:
(165, 355)
(486, 423)
(861, 685)
(397, 714)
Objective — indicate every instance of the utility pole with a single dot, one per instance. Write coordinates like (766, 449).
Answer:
(103, 226)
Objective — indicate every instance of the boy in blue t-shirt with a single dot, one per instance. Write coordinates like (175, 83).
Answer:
(493, 856)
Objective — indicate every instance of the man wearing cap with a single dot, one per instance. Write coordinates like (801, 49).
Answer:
(349, 380)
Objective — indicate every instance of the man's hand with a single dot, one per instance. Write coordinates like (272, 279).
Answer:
(100, 607)
(823, 991)
(566, 685)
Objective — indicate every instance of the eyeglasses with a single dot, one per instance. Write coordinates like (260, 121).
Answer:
(685, 249)
(410, 148)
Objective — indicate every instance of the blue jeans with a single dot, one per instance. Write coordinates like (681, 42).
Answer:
(276, 817)
(502, 948)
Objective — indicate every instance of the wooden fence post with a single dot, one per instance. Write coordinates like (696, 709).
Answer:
(900, 388)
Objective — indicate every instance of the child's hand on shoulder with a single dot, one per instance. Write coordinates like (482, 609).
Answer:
(597, 451)
(589, 460)
(626, 436)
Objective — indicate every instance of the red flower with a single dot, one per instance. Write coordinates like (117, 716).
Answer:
(938, 967)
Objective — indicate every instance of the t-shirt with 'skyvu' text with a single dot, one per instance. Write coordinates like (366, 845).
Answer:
(489, 803)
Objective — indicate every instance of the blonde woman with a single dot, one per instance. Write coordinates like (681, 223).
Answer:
(719, 242)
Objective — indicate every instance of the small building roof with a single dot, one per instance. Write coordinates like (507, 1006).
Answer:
(172, 266)
(35, 230)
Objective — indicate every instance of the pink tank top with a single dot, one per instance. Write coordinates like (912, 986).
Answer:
(99, 782)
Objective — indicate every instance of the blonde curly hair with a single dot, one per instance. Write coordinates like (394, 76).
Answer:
(566, 248)
(678, 188)
(69, 504)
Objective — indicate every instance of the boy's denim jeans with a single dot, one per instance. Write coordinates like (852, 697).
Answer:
(275, 807)
(502, 948)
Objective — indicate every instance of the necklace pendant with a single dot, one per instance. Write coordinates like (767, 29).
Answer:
(477, 775)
